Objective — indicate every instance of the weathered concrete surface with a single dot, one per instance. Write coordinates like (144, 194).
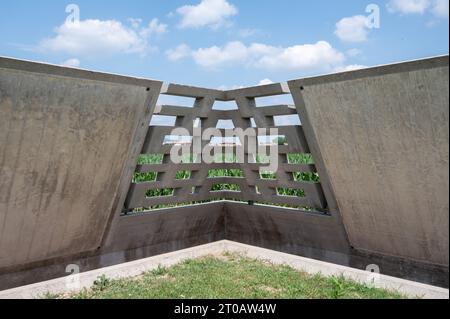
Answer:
(167, 225)
(318, 237)
(310, 235)
(133, 237)
(65, 138)
(383, 136)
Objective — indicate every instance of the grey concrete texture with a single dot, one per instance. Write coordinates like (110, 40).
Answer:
(382, 134)
(316, 236)
(65, 138)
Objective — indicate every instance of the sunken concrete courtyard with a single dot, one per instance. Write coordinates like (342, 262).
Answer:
(353, 172)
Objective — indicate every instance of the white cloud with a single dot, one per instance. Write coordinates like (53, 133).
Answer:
(135, 22)
(440, 8)
(408, 6)
(211, 13)
(319, 56)
(72, 63)
(97, 37)
(154, 27)
(351, 67)
(215, 56)
(265, 82)
(179, 52)
(352, 29)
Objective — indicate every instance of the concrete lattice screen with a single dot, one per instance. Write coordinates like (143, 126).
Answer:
(251, 186)
(70, 141)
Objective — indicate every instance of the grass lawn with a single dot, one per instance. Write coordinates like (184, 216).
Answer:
(228, 276)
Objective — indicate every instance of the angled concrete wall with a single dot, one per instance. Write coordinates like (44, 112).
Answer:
(69, 142)
(382, 135)
(66, 137)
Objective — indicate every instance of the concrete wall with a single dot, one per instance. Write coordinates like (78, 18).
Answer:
(69, 142)
(66, 137)
(382, 135)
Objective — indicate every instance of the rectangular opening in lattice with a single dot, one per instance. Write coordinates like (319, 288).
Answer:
(146, 159)
(285, 99)
(144, 177)
(300, 158)
(225, 188)
(182, 175)
(177, 140)
(236, 173)
(225, 124)
(163, 120)
(160, 192)
(175, 100)
(268, 175)
(306, 177)
(290, 192)
(272, 140)
(224, 106)
(286, 120)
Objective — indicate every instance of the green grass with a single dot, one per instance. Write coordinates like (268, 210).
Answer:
(225, 187)
(229, 276)
(225, 173)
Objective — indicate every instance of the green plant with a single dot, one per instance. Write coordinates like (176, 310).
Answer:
(159, 192)
(300, 158)
(290, 192)
(181, 175)
(225, 173)
(280, 140)
(147, 159)
(101, 283)
(159, 271)
(226, 187)
(306, 177)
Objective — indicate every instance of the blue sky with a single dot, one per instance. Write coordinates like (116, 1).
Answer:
(223, 43)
